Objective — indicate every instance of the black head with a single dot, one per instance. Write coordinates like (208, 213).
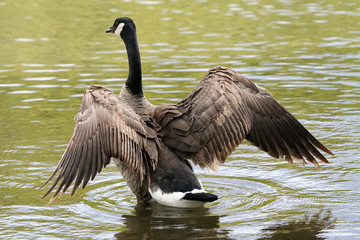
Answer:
(122, 26)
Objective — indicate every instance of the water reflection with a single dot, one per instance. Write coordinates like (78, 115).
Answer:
(309, 227)
(160, 222)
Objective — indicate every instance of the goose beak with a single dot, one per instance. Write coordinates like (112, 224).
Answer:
(109, 30)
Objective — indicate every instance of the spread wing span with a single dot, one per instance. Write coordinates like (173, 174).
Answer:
(105, 127)
(226, 108)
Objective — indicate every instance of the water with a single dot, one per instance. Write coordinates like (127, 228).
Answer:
(305, 53)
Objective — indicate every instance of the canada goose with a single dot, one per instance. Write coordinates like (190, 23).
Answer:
(153, 146)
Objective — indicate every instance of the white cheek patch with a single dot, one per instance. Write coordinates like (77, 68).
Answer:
(119, 29)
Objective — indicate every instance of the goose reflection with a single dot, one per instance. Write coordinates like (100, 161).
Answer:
(156, 221)
(161, 222)
(308, 227)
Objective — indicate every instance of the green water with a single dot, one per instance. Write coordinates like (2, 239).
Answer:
(305, 53)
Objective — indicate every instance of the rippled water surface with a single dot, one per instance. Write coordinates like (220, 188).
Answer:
(305, 52)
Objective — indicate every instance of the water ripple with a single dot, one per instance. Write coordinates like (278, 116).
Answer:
(45, 70)
(22, 92)
(39, 78)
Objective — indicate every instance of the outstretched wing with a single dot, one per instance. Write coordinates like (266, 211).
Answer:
(105, 127)
(226, 108)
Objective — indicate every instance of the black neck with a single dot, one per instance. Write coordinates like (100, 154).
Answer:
(133, 81)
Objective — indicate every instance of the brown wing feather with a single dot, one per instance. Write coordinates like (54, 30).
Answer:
(105, 127)
(226, 108)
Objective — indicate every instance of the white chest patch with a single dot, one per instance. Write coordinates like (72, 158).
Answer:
(174, 199)
(119, 29)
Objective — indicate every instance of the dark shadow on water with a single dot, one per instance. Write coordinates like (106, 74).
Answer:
(161, 222)
(309, 227)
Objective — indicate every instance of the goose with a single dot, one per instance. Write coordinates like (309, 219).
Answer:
(155, 147)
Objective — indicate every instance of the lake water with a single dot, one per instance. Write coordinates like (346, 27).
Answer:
(305, 53)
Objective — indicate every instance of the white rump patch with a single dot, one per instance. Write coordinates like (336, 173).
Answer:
(174, 199)
(119, 29)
